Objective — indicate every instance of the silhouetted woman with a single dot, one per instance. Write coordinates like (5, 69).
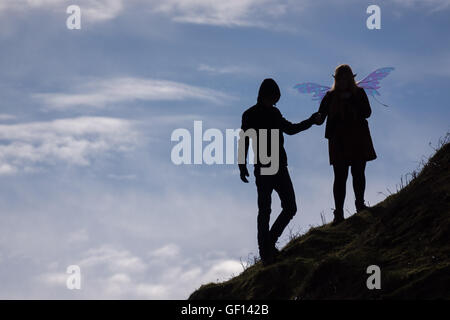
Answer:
(346, 108)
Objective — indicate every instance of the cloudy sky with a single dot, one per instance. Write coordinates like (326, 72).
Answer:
(86, 118)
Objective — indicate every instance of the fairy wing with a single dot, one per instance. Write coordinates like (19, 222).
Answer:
(318, 90)
(371, 83)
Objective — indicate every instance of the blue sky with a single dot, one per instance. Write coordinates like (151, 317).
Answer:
(86, 118)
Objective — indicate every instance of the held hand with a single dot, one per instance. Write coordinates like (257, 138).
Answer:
(317, 118)
(244, 173)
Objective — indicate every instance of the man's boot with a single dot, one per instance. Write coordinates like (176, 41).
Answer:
(265, 250)
(267, 257)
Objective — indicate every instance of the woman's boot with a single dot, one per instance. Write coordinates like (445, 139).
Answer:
(338, 217)
(360, 206)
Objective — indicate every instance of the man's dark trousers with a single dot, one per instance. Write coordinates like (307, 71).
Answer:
(265, 184)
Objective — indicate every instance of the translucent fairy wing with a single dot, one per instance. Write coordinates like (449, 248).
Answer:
(318, 90)
(371, 83)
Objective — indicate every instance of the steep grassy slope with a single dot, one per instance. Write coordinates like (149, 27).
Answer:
(407, 236)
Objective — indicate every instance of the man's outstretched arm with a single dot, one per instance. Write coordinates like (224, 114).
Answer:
(293, 128)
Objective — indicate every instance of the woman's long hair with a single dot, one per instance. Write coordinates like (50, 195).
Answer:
(346, 71)
(343, 72)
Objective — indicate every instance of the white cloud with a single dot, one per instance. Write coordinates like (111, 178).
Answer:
(224, 13)
(222, 269)
(7, 169)
(231, 13)
(101, 10)
(113, 259)
(72, 141)
(180, 280)
(168, 251)
(233, 69)
(437, 5)
(115, 284)
(91, 10)
(78, 236)
(151, 291)
(4, 116)
(57, 279)
(100, 93)
(120, 278)
(111, 273)
(122, 176)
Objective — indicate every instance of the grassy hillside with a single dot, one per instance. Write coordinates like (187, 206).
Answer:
(407, 236)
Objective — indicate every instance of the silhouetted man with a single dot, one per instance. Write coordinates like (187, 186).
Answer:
(264, 115)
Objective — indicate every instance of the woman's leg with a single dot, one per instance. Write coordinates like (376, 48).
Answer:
(339, 186)
(359, 183)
